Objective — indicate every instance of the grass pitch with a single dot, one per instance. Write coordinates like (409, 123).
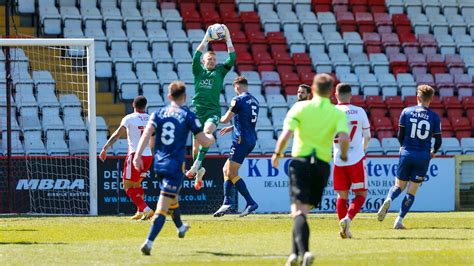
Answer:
(432, 239)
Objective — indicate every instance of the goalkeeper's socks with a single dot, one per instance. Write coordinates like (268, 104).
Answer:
(135, 195)
(394, 192)
(355, 206)
(341, 208)
(406, 204)
(200, 157)
(242, 188)
(301, 229)
(227, 191)
(158, 222)
(175, 214)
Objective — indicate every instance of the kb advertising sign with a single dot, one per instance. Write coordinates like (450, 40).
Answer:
(112, 198)
(269, 186)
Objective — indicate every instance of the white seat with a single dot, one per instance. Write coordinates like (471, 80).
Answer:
(288, 20)
(457, 25)
(172, 19)
(17, 146)
(69, 100)
(360, 63)
(467, 145)
(388, 84)
(406, 80)
(296, 41)
(50, 20)
(278, 116)
(26, 6)
(73, 119)
(391, 146)
(464, 44)
(270, 78)
(121, 147)
(132, 19)
(341, 63)
(374, 147)
(276, 100)
(431, 7)
(137, 38)
(420, 23)
(29, 119)
(449, 7)
(466, 6)
(307, 20)
(128, 85)
(55, 144)
(451, 146)
(315, 42)
(151, 15)
(369, 84)
(267, 145)
(91, 17)
(78, 144)
(51, 119)
(353, 42)
(352, 80)
(166, 78)
(321, 62)
(269, 20)
(327, 21)
(334, 42)
(33, 143)
(24, 96)
(100, 124)
(253, 78)
(413, 7)
(71, 17)
(395, 6)
(379, 63)
(112, 16)
(116, 38)
(142, 60)
(46, 96)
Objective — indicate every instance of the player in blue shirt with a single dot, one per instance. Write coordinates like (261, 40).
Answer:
(418, 124)
(171, 126)
(244, 109)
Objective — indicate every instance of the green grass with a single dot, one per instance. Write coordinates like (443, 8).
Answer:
(432, 239)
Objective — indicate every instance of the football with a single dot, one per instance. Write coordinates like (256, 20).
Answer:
(216, 32)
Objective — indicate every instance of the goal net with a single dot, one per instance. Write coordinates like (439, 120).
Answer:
(53, 132)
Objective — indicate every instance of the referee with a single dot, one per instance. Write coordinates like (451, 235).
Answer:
(314, 124)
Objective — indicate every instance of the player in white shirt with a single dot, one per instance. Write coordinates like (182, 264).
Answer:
(134, 124)
(351, 173)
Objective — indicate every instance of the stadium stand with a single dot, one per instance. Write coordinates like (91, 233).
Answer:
(384, 49)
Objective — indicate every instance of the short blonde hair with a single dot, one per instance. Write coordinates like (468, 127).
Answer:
(210, 53)
(425, 92)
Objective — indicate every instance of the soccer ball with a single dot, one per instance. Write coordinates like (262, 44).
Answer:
(216, 32)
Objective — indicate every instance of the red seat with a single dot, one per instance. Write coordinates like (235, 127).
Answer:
(218, 46)
(455, 64)
(291, 90)
(238, 37)
(282, 58)
(468, 102)
(398, 63)
(256, 37)
(307, 77)
(301, 59)
(436, 63)
(189, 13)
(410, 101)
(300, 69)
(358, 100)
(322, 5)
(454, 112)
(394, 102)
(382, 134)
(358, 5)
(276, 38)
(209, 16)
(395, 122)
(281, 48)
(262, 68)
(289, 78)
(427, 43)
(372, 42)
(228, 14)
(365, 22)
(409, 43)
(378, 112)
(402, 23)
(395, 113)
(383, 21)
(446, 125)
(381, 123)
(241, 47)
(259, 48)
(461, 126)
(263, 58)
(374, 101)
(284, 68)
(345, 21)
(244, 58)
(249, 17)
(254, 28)
(452, 103)
(377, 6)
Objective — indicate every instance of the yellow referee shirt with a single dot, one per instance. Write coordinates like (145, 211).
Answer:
(315, 124)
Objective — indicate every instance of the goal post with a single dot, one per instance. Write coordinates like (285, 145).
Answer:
(54, 78)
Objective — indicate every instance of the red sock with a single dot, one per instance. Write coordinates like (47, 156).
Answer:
(341, 208)
(355, 206)
(135, 195)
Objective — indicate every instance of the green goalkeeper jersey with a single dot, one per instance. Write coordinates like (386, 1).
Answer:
(208, 85)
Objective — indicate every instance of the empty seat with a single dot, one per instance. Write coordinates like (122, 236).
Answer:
(29, 119)
(33, 143)
(55, 144)
(391, 146)
(78, 144)
(374, 147)
(467, 145)
(451, 146)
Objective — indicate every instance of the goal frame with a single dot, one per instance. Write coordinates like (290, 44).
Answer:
(91, 116)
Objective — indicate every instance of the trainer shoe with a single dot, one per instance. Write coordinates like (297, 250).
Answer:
(147, 215)
(182, 230)
(249, 209)
(292, 260)
(198, 180)
(399, 226)
(222, 210)
(345, 224)
(145, 249)
(308, 259)
(383, 209)
(192, 173)
(137, 216)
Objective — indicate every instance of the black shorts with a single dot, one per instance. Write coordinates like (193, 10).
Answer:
(308, 180)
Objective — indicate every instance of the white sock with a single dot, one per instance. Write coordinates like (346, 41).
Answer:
(197, 164)
(399, 220)
(147, 209)
(182, 227)
(148, 243)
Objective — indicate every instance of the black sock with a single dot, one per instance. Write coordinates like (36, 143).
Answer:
(294, 246)
(175, 214)
(301, 230)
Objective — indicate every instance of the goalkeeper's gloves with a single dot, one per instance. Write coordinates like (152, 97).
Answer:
(227, 36)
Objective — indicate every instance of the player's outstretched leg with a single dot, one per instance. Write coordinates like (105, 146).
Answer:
(393, 193)
(136, 195)
(406, 204)
(158, 221)
(242, 188)
(352, 211)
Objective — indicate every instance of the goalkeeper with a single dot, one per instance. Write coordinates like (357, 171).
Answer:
(208, 84)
